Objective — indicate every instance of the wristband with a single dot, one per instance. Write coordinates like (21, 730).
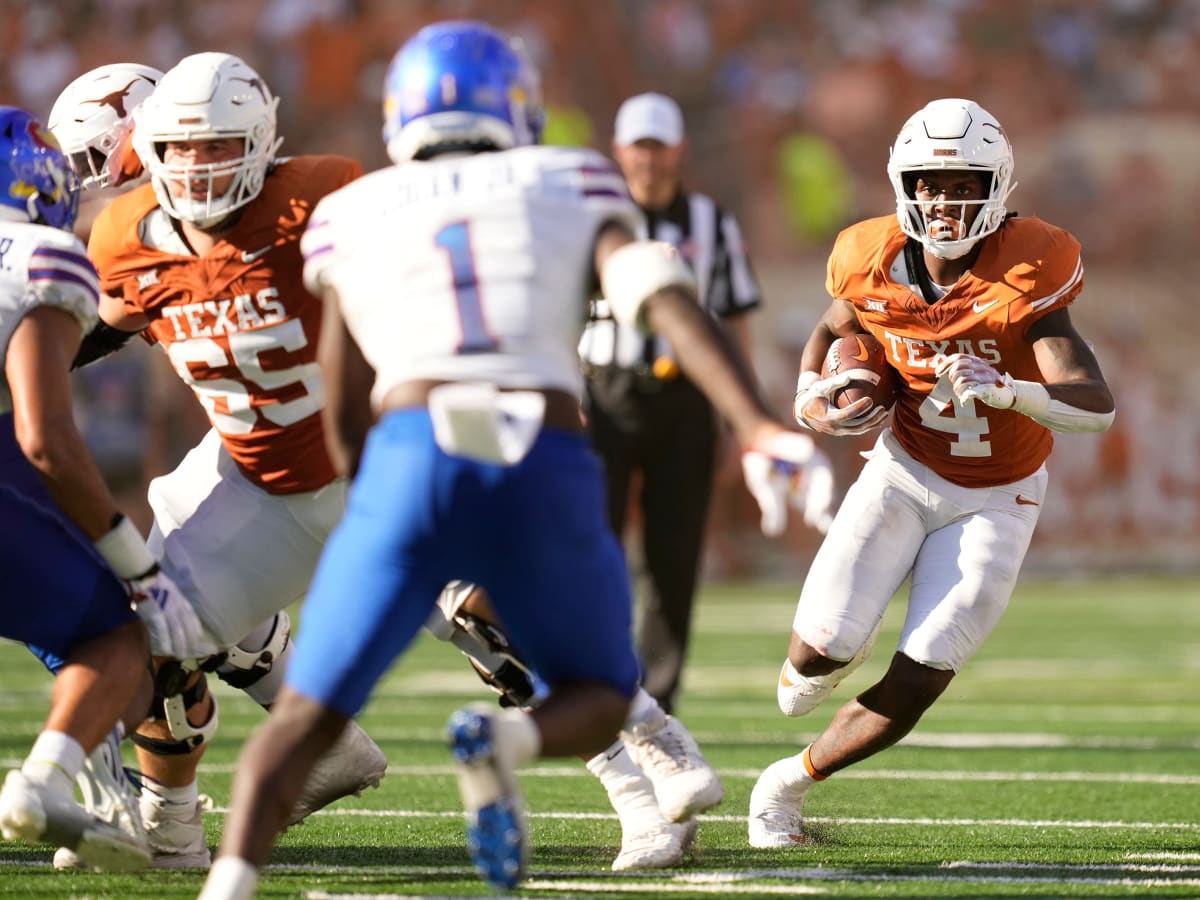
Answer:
(806, 380)
(124, 549)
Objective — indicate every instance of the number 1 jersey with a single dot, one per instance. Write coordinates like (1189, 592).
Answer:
(476, 268)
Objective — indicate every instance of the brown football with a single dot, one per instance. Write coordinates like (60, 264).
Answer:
(861, 351)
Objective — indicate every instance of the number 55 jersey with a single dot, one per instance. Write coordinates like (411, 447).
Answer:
(236, 323)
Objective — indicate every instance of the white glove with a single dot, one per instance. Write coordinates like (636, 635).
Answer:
(973, 379)
(813, 407)
(788, 469)
(175, 630)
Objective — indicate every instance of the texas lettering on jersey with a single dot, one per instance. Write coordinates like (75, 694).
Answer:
(237, 323)
(1025, 270)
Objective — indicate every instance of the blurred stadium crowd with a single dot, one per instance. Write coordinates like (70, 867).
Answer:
(790, 109)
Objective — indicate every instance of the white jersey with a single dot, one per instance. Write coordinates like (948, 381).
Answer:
(42, 266)
(476, 268)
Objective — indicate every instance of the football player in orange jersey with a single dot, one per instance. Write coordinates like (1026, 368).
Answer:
(204, 260)
(972, 305)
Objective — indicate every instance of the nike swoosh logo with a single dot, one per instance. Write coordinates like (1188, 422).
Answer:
(980, 307)
(783, 680)
(257, 254)
(862, 354)
(1021, 501)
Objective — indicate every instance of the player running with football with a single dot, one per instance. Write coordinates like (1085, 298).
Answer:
(971, 303)
(204, 260)
(477, 466)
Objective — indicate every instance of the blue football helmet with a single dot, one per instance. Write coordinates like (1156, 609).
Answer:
(37, 183)
(460, 86)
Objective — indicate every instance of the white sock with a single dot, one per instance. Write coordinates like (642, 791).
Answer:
(161, 795)
(796, 772)
(55, 759)
(230, 878)
(629, 790)
(522, 739)
(644, 711)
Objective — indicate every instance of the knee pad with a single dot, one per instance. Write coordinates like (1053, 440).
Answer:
(172, 708)
(240, 668)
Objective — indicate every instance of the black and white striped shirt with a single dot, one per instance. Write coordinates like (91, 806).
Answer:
(709, 238)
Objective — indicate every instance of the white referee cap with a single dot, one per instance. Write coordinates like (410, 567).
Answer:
(649, 117)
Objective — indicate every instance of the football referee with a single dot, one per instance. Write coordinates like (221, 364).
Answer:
(644, 416)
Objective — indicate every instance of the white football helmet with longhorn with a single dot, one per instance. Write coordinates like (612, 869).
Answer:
(208, 96)
(93, 114)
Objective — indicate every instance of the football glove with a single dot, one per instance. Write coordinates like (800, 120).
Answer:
(973, 379)
(175, 630)
(788, 469)
(813, 407)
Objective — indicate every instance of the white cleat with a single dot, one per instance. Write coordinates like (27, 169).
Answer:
(34, 812)
(660, 846)
(353, 764)
(684, 782)
(108, 794)
(175, 832)
(775, 810)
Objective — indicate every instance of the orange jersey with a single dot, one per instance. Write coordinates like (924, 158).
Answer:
(237, 323)
(1025, 270)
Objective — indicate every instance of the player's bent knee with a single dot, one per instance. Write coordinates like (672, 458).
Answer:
(243, 664)
(171, 708)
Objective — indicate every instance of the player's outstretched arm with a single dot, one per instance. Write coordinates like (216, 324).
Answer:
(647, 285)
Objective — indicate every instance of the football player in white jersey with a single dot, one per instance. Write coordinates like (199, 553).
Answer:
(455, 284)
(59, 522)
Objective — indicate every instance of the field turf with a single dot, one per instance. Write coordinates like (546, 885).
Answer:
(1063, 762)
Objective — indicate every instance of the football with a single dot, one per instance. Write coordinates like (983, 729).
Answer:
(861, 351)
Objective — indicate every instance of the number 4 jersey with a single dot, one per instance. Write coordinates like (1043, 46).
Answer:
(237, 323)
(1024, 271)
(477, 268)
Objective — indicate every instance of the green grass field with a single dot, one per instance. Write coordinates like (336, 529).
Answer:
(1063, 762)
